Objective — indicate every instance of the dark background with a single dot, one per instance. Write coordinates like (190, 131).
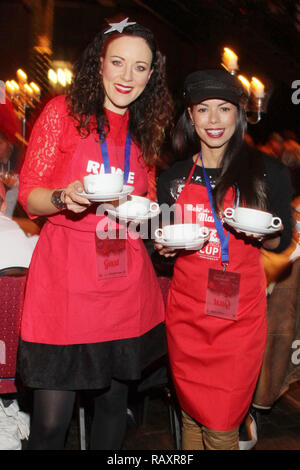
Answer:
(265, 34)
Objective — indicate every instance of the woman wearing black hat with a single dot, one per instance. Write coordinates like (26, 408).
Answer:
(216, 357)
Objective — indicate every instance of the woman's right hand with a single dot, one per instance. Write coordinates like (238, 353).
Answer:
(164, 251)
(74, 201)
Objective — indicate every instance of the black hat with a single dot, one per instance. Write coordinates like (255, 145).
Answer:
(216, 83)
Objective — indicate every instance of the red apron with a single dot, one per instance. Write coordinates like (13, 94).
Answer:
(65, 302)
(215, 362)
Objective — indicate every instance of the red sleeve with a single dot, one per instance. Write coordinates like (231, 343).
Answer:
(42, 152)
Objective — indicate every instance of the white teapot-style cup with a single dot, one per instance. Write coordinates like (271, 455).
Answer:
(104, 183)
(137, 206)
(252, 217)
(181, 232)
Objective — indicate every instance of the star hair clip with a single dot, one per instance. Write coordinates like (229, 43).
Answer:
(119, 26)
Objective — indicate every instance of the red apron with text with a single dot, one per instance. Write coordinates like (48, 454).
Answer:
(215, 362)
(65, 301)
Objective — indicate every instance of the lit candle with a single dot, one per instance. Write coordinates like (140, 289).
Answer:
(257, 88)
(230, 59)
(15, 85)
(68, 76)
(61, 77)
(9, 88)
(245, 83)
(35, 88)
(21, 76)
(28, 90)
(52, 76)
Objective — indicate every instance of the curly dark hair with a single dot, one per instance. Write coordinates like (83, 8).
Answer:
(150, 115)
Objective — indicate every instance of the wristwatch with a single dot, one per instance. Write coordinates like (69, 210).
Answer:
(56, 199)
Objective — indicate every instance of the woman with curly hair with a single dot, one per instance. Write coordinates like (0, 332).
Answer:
(81, 329)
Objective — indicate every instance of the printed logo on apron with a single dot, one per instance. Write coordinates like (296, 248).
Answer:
(98, 168)
(212, 249)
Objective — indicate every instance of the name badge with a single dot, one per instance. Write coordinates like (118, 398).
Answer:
(111, 255)
(222, 296)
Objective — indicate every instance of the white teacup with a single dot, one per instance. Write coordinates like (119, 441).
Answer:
(252, 217)
(181, 232)
(136, 206)
(104, 183)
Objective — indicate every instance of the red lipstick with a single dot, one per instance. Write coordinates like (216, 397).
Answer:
(122, 88)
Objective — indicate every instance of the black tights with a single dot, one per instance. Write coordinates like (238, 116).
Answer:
(53, 410)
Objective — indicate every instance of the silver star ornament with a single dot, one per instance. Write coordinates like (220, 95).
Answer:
(119, 26)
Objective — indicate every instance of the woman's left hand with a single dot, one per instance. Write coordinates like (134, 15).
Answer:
(266, 240)
(256, 236)
(164, 251)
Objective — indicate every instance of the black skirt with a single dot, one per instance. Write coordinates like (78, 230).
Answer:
(89, 366)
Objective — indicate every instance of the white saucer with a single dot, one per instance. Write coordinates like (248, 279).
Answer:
(138, 217)
(250, 229)
(135, 218)
(108, 196)
(196, 244)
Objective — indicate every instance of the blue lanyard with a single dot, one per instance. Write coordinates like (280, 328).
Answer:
(224, 240)
(106, 161)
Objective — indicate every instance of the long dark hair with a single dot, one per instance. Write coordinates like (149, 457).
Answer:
(241, 166)
(150, 114)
